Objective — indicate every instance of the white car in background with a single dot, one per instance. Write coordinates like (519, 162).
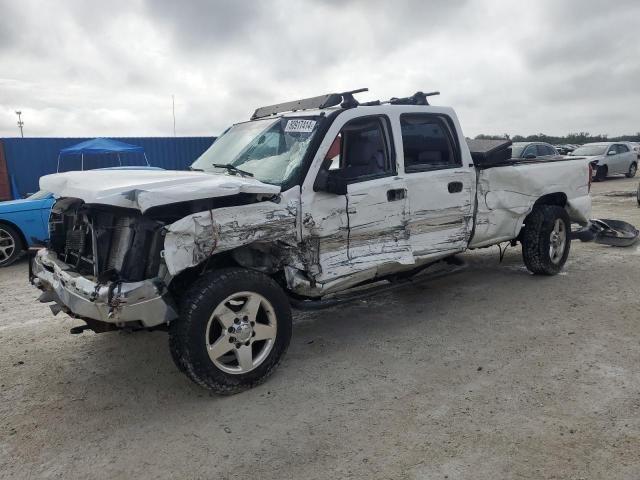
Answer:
(609, 158)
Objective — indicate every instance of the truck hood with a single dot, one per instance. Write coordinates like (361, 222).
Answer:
(144, 189)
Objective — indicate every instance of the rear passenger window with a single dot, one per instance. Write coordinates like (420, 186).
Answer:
(427, 143)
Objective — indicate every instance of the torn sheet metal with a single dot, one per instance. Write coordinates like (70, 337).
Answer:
(195, 238)
(506, 195)
(144, 189)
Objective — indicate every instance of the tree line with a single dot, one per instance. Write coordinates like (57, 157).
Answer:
(572, 138)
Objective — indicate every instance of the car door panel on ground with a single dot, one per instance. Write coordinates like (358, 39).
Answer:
(440, 188)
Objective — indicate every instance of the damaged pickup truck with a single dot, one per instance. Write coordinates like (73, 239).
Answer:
(308, 199)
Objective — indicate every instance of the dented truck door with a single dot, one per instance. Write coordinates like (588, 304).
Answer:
(361, 232)
(440, 184)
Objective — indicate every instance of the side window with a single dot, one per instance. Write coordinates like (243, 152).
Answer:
(546, 150)
(361, 150)
(428, 144)
(530, 150)
(622, 148)
(612, 148)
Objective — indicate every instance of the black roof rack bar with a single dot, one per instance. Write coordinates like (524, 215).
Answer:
(418, 98)
(323, 101)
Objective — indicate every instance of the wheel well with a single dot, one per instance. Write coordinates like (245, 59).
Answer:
(17, 229)
(243, 257)
(559, 199)
(183, 280)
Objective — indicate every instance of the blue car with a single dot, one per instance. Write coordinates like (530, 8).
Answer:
(23, 224)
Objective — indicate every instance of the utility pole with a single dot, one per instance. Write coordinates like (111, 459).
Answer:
(20, 123)
(173, 110)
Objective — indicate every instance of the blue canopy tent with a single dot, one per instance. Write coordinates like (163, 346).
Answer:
(101, 146)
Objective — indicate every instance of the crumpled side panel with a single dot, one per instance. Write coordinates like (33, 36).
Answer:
(194, 238)
(507, 194)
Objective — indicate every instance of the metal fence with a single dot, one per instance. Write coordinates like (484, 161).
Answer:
(27, 159)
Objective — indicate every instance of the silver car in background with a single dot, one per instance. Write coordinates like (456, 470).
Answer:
(531, 150)
(609, 158)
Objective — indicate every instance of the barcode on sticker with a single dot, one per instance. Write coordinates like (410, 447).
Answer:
(300, 126)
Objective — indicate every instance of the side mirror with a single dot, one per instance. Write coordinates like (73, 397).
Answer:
(330, 181)
(611, 152)
(529, 156)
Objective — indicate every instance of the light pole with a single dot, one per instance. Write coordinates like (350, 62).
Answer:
(20, 123)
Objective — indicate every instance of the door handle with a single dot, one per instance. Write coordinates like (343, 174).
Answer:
(396, 194)
(455, 187)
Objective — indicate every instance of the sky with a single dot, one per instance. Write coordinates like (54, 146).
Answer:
(110, 68)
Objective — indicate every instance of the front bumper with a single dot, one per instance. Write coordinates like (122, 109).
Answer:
(113, 302)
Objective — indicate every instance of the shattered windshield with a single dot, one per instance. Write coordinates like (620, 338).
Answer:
(271, 150)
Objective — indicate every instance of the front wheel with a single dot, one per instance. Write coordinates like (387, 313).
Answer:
(233, 331)
(601, 173)
(633, 169)
(546, 239)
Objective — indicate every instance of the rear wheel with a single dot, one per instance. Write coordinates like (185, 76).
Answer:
(10, 245)
(546, 239)
(234, 329)
(601, 173)
(633, 169)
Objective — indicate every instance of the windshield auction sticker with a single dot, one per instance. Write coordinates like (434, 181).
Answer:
(300, 126)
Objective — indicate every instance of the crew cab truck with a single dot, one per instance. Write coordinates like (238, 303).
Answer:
(306, 200)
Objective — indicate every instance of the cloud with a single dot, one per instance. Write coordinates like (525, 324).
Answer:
(83, 68)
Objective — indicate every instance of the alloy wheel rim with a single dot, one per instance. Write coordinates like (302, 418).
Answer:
(7, 245)
(241, 332)
(557, 241)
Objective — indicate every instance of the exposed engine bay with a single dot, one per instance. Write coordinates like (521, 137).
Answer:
(102, 242)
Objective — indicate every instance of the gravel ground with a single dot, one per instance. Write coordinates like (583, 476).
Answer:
(488, 374)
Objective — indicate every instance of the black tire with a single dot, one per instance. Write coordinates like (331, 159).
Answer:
(188, 334)
(8, 236)
(633, 169)
(536, 239)
(601, 173)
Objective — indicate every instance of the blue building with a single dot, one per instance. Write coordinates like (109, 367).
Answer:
(24, 160)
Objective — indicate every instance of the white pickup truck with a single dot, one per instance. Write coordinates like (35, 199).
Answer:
(306, 200)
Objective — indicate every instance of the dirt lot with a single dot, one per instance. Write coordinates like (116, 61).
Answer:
(489, 374)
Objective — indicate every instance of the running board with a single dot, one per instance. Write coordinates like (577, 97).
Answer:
(416, 279)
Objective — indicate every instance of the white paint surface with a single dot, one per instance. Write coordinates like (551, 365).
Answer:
(144, 189)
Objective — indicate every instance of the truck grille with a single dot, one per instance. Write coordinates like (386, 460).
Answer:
(121, 237)
(127, 246)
